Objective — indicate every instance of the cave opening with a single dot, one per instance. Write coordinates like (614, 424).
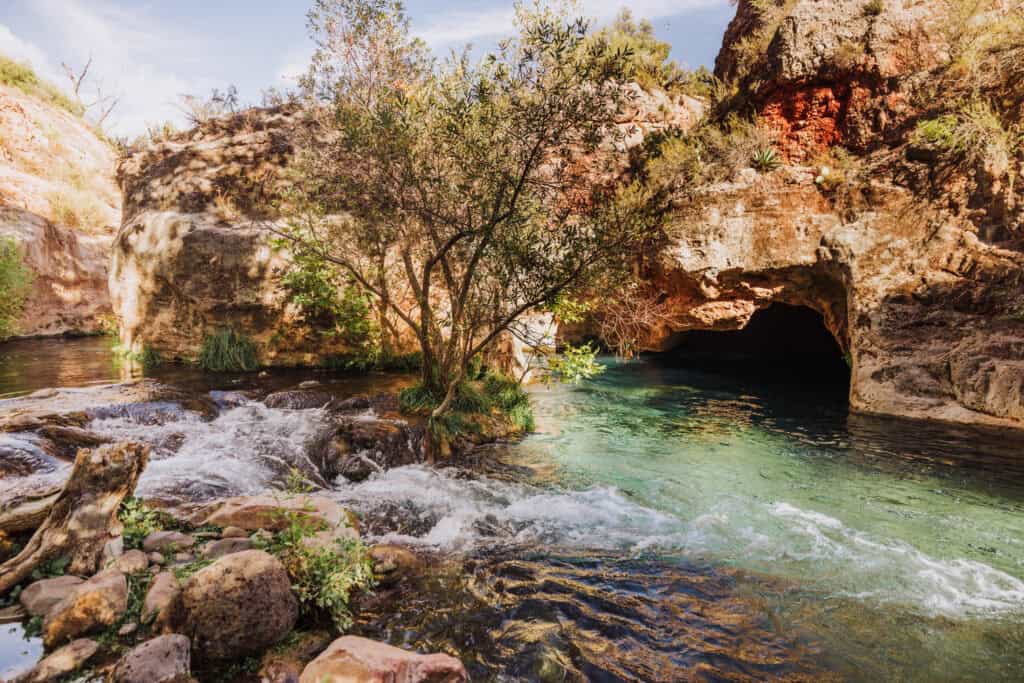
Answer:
(780, 343)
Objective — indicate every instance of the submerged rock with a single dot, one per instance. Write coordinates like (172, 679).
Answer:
(164, 659)
(392, 563)
(89, 608)
(239, 606)
(62, 662)
(359, 660)
(298, 400)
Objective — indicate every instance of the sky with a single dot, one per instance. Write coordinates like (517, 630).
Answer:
(150, 52)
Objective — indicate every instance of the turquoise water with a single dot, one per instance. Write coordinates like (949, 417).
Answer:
(899, 547)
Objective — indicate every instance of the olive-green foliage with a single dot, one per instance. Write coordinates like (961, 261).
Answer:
(323, 578)
(228, 351)
(15, 283)
(972, 134)
(140, 520)
(648, 60)
(712, 152)
(575, 364)
(873, 8)
(333, 305)
(480, 395)
(22, 77)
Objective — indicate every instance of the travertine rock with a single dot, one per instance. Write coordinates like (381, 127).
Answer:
(358, 660)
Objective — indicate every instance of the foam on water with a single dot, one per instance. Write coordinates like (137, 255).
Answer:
(243, 451)
(459, 513)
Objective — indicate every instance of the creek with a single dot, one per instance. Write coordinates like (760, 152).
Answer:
(664, 523)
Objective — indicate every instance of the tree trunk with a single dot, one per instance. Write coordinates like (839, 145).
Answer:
(26, 512)
(84, 516)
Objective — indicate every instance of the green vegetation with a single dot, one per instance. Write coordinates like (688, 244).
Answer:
(974, 135)
(874, 8)
(575, 364)
(22, 77)
(456, 222)
(647, 58)
(324, 578)
(228, 351)
(765, 160)
(15, 283)
(486, 393)
(140, 520)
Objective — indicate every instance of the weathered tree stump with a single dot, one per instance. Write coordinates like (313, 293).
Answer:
(84, 514)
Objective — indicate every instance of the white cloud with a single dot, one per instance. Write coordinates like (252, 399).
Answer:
(461, 26)
(25, 51)
(130, 52)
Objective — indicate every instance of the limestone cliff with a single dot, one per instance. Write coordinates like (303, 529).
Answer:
(915, 265)
(59, 201)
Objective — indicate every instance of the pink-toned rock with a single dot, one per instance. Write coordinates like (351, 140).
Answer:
(61, 663)
(359, 660)
(40, 597)
(88, 608)
(273, 512)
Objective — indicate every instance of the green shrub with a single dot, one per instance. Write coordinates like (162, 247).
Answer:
(648, 57)
(323, 578)
(15, 284)
(575, 364)
(228, 351)
(22, 77)
(974, 134)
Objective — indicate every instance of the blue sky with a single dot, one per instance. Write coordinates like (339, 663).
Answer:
(151, 51)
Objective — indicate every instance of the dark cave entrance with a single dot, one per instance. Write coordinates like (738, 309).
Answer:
(780, 343)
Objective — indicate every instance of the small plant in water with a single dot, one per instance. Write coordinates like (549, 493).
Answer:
(765, 160)
(228, 351)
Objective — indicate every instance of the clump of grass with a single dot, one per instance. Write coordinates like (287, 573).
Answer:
(227, 350)
(492, 392)
(21, 76)
(77, 210)
(874, 8)
(15, 284)
(973, 134)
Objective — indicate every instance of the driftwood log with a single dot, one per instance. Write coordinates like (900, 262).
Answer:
(84, 515)
(27, 512)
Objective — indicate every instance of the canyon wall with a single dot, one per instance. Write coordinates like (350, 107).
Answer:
(60, 203)
(916, 267)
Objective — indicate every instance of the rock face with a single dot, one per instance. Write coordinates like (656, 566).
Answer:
(918, 274)
(238, 606)
(191, 255)
(359, 660)
(59, 202)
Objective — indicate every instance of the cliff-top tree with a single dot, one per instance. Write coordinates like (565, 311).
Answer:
(460, 195)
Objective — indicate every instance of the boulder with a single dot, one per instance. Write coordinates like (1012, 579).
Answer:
(40, 597)
(91, 607)
(358, 660)
(234, 532)
(298, 400)
(239, 606)
(62, 662)
(162, 605)
(164, 659)
(271, 512)
(167, 541)
(132, 562)
(226, 546)
(284, 664)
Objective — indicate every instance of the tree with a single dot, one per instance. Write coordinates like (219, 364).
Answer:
(461, 196)
(103, 105)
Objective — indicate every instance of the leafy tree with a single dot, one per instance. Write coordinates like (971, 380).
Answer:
(15, 283)
(461, 196)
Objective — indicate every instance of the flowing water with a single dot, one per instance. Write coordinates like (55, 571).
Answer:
(663, 524)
